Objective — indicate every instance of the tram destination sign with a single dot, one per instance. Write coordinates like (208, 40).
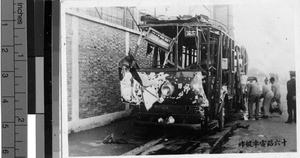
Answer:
(190, 32)
(159, 39)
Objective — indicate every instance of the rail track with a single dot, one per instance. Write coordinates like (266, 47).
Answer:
(187, 143)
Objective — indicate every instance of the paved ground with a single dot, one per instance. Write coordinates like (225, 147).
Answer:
(265, 131)
(264, 135)
(90, 142)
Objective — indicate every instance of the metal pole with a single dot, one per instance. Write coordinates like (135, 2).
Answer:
(133, 19)
(208, 72)
(199, 47)
(176, 50)
(98, 13)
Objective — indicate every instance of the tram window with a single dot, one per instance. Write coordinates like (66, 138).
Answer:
(186, 57)
(155, 57)
(150, 49)
(158, 58)
(194, 56)
(183, 56)
(189, 56)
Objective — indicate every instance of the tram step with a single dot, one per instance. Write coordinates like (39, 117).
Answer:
(213, 124)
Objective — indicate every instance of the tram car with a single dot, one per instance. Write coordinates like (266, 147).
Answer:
(194, 77)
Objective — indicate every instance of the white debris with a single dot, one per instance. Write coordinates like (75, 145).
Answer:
(179, 95)
(126, 87)
(150, 97)
(186, 88)
(160, 120)
(224, 91)
(198, 87)
(245, 117)
(179, 85)
(131, 90)
(161, 99)
(170, 120)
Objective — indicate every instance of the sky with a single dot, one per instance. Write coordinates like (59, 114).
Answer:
(268, 33)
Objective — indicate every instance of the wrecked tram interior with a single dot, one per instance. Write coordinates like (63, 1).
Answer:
(194, 80)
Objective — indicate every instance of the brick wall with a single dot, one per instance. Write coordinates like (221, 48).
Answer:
(143, 60)
(100, 48)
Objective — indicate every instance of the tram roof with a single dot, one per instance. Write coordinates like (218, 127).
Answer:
(197, 21)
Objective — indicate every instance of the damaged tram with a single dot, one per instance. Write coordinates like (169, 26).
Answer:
(194, 79)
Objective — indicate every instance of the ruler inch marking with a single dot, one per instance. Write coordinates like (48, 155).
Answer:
(14, 78)
(14, 48)
(7, 45)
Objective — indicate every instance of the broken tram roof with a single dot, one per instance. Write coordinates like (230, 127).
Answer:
(200, 20)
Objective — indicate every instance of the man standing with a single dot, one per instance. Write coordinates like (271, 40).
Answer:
(253, 94)
(277, 95)
(291, 97)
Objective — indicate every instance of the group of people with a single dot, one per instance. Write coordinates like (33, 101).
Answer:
(271, 95)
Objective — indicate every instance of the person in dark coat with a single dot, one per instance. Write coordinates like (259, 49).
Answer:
(291, 97)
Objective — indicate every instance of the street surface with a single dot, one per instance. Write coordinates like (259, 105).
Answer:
(262, 136)
(273, 132)
(90, 142)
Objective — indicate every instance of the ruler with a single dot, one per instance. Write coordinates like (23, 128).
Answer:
(14, 78)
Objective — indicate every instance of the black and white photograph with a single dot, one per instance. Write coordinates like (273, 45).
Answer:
(181, 78)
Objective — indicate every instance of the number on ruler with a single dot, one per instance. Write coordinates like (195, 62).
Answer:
(21, 119)
(5, 152)
(5, 126)
(4, 75)
(5, 101)
(4, 50)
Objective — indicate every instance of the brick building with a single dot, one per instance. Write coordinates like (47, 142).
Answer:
(96, 39)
